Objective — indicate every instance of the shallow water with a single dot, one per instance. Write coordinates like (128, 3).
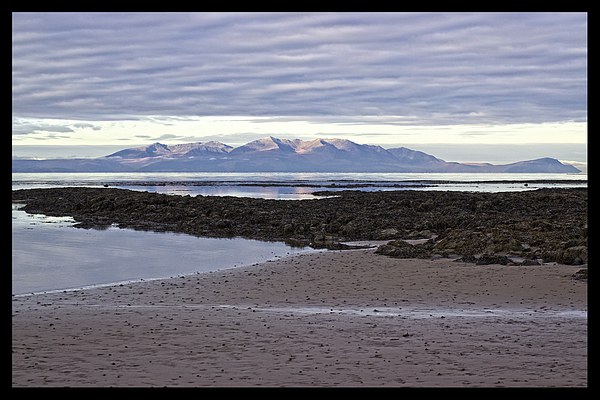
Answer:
(297, 186)
(417, 313)
(383, 312)
(48, 254)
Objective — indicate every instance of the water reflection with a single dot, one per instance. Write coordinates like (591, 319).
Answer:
(298, 186)
(261, 192)
(50, 254)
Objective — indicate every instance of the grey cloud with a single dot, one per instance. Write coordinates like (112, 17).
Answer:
(43, 138)
(27, 128)
(437, 68)
(167, 136)
(83, 125)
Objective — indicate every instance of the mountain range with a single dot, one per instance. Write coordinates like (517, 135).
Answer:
(271, 154)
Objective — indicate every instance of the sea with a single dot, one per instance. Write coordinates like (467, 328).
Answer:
(50, 254)
(296, 186)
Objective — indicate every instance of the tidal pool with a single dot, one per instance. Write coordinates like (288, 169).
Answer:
(49, 254)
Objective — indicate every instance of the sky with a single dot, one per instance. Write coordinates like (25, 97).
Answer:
(487, 82)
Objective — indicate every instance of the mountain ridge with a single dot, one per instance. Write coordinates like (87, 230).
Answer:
(271, 154)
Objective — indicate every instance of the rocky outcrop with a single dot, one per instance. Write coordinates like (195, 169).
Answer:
(581, 275)
(403, 249)
(546, 224)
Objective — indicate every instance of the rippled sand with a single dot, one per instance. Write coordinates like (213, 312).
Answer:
(350, 318)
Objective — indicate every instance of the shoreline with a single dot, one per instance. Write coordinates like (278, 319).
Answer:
(268, 325)
(530, 225)
(141, 280)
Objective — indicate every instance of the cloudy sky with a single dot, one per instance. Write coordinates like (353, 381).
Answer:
(420, 80)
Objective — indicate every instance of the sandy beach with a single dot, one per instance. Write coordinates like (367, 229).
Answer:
(324, 319)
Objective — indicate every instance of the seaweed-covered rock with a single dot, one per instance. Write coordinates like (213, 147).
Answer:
(529, 262)
(487, 259)
(388, 233)
(549, 224)
(402, 249)
(575, 255)
(582, 274)
(468, 259)
(462, 241)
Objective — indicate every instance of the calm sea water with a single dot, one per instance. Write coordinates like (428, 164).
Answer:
(295, 186)
(50, 254)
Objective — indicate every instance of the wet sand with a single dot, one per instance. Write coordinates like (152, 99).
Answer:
(327, 319)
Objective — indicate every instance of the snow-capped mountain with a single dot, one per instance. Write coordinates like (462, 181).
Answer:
(272, 154)
(175, 151)
(270, 144)
(154, 150)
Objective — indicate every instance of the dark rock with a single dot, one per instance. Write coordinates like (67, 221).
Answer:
(549, 224)
(487, 259)
(402, 249)
(529, 261)
(389, 233)
(582, 274)
(467, 259)
(575, 255)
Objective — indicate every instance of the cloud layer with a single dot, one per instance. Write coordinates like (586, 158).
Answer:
(421, 69)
